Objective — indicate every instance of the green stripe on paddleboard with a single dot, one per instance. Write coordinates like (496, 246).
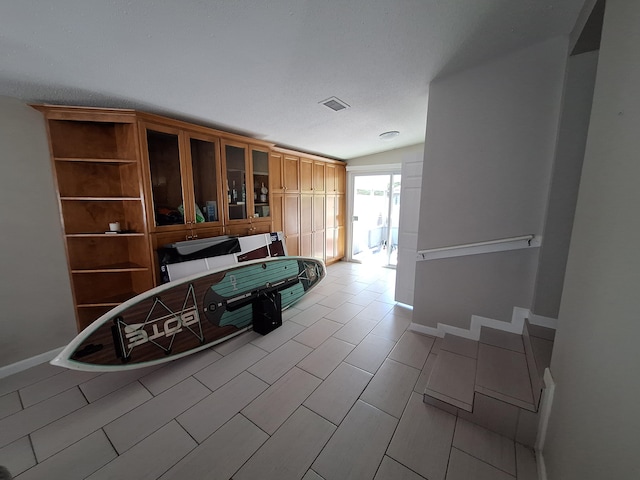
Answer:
(238, 318)
(245, 279)
(291, 295)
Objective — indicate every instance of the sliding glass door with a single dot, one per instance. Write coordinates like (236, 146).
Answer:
(375, 200)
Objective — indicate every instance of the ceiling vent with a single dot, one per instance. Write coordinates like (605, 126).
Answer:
(335, 104)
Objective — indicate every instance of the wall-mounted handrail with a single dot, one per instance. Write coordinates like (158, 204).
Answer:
(488, 246)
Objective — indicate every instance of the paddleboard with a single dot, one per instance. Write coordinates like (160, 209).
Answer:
(187, 315)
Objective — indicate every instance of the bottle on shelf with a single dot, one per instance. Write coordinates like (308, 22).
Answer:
(244, 194)
(263, 193)
(234, 193)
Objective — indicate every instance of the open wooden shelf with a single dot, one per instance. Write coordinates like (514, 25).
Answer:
(114, 161)
(114, 267)
(96, 160)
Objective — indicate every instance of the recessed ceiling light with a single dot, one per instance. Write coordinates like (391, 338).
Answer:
(387, 136)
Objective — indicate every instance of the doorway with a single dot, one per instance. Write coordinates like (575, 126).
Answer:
(375, 218)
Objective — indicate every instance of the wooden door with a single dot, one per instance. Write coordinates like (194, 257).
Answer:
(203, 159)
(277, 212)
(258, 192)
(306, 175)
(341, 178)
(168, 184)
(319, 212)
(276, 170)
(340, 242)
(319, 174)
(236, 173)
(331, 208)
(306, 225)
(292, 223)
(291, 173)
(330, 178)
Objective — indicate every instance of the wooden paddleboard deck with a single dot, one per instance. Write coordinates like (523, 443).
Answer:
(190, 314)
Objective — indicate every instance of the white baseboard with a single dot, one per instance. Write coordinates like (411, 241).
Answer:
(543, 423)
(543, 321)
(28, 363)
(477, 322)
(542, 468)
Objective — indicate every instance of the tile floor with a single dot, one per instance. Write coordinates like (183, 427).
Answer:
(335, 393)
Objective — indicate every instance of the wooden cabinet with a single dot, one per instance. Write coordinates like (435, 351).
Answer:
(285, 172)
(260, 182)
(276, 168)
(335, 227)
(306, 225)
(167, 181)
(286, 218)
(247, 183)
(182, 179)
(306, 175)
(341, 179)
(286, 210)
(96, 164)
(319, 224)
(291, 223)
(318, 210)
(235, 166)
(291, 173)
(335, 179)
(277, 212)
(330, 179)
(312, 221)
(249, 228)
(319, 184)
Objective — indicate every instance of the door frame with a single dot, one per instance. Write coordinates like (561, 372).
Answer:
(362, 170)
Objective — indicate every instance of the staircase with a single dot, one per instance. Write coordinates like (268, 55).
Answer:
(495, 382)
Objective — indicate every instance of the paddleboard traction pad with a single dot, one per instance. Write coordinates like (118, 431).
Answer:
(188, 315)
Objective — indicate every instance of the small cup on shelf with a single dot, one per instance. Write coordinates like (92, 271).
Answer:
(114, 226)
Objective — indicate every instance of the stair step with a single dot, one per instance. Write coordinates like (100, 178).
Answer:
(541, 332)
(452, 379)
(460, 345)
(503, 374)
(488, 382)
(502, 339)
(496, 367)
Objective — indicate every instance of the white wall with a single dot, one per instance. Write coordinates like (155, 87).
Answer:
(491, 134)
(408, 228)
(594, 430)
(398, 156)
(35, 294)
(572, 140)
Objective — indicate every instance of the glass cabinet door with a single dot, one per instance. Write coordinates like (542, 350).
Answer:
(260, 167)
(166, 178)
(236, 173)
(204, 167)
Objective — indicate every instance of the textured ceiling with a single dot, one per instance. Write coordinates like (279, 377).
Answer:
(262, 67)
